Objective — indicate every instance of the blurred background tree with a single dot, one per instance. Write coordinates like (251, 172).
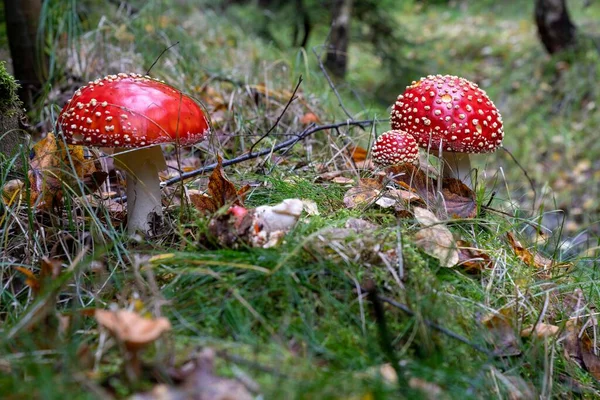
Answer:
(22, 18)
(555, 28)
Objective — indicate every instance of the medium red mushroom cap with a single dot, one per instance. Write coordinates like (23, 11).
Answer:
(131, 110)
(395, 147)
(449, 111)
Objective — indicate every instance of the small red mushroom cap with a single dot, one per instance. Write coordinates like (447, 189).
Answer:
(449, 111)
(131, 110)
(395, 147)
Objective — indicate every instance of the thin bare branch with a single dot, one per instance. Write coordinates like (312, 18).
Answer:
(292, 98)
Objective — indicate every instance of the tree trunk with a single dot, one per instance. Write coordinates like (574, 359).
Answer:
(22, 18)
(12, 137)
(337, 52)
(555, 28)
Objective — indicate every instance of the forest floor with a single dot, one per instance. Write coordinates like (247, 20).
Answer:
(359, 300)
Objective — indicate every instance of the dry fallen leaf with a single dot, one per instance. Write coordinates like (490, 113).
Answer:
(542, 331)
(435, 238)
(52, 166)
(131, 328)
(358, 153)
(457, 200)
(473, 260)
(363, 194)
(11, 191)
(580, 345)
(309, 118)
(199, 382)
(134, 332)
(49, 270)
(342, 180)
(590, 352)
(533, 259)
(221, 192)
(502, 334)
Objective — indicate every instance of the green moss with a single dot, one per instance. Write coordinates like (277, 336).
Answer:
(8, 90)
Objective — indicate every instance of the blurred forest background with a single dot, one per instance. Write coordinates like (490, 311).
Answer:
(537, 59)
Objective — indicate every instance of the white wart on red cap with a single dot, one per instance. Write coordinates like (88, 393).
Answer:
(449, 111)
(131, 110)
(395, 147)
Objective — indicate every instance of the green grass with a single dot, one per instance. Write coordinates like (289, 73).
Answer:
(290, 317)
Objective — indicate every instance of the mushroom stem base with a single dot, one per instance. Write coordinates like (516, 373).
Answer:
(144, 208)
(458, 166)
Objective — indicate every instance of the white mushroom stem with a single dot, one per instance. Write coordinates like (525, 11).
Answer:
(143, 186)
(458, 166)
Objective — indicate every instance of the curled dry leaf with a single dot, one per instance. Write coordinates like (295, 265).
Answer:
(53, 165)
(533, 259)
(50, 269)
(358, 153)
(342, 180)
(363, 194)
(502, 333)
(435, 238)
(541, 331)
(131, 328)
(12, 191)
(473, 260)
(221, 192)
(457, 199)
(580, 346)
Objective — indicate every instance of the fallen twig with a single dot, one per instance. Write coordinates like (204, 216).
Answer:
(283, 145)
(331, 85)
(292, 98)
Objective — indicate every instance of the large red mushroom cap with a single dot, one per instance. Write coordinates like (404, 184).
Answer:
(448, 113)
(395, 147)
(131, 110)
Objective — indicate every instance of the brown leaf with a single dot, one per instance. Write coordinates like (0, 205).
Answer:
(328, 176)
(435, 238)
(131, 328)
(342, 180)
(12, 191)
(472, 259)
(571, 345)
(358, 153)
(221, 192)
(532, 259)
(502, 334)
(458, 200)
(542, 331)
(49, 270)
(53, 165)
(309, 118)
(590, 353)
(363, 194)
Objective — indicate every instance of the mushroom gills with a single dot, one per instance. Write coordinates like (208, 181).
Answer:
(143, 185)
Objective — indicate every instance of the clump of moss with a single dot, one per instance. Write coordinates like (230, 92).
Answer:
(9, 99)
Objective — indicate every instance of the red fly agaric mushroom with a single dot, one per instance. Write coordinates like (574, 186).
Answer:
(450, 116)
(395, 147)
(134, 114)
